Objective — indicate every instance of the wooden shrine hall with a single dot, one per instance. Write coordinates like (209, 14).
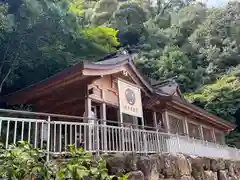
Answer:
(114, 90)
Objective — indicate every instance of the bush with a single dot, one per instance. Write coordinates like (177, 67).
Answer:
(23, 162)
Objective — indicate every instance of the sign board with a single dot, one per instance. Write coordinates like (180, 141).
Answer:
(130, 101)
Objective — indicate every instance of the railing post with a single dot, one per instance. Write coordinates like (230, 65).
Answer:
(207, 149)
(145, 142)
(132, 138)
(0, 127)
(97, 136)
(7, 136)
(138, 142)
(194, 150)
(178, 142)
(158, 142)
(48, 137)
(156, 126)
(90, 135)
(103, 127)
(120, 120)
(124, 148)
(105, 136)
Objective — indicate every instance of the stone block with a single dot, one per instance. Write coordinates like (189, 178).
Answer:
(210, 175)
(222, 175)
(217, 164)
(183, 165)
(187, 178)
(206, 162)
(197, 164)
(136, 175)
(130, 162)
(170, 169)
(145, 165)
(155, 174)
(115, 164)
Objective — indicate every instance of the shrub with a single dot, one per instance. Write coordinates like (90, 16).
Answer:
(23, 162)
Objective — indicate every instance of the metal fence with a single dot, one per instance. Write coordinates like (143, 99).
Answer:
(54, 133)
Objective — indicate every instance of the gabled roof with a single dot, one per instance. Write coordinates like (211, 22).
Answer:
(168, 86)
(113, 64)
(201, 112)
(81, 71)
(167, 90)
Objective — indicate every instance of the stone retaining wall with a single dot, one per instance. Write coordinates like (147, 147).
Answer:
(172, 167)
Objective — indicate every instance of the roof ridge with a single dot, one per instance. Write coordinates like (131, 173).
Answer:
(114, 55)
(165, 82)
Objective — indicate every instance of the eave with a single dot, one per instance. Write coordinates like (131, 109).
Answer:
(203, 113)
(78, 72)
(90, 69)
(163, 100)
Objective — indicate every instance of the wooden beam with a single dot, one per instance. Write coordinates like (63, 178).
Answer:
(72, 101)
(66, 104)
(34, 97)
(76, 111)
(61, 99)
(31, 94)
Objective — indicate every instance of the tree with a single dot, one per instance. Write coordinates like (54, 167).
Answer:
(103, 12)
(44, 38)
(222, 97)
(104, 37)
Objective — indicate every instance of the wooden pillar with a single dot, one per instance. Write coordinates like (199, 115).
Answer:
(121, 134)
(201, 132)
(186, 131)
(155, 120)
(166, 120)
(104, 123)
(103, 113)
(120, 115)
(213, 135)
(156, 126)
(89, 133)
(135, 121)
(88, 111)
(143, 122)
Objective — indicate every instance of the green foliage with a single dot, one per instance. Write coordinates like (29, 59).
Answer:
(22, 161)
(222, 97)
(103, 11)
(81, 165)
(76, 7)
(103, 37)
(45, 40)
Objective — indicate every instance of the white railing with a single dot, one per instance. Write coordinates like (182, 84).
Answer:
(55, 135)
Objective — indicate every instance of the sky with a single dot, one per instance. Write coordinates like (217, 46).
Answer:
(215, 3)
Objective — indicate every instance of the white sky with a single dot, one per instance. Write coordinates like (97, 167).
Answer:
(216, 3)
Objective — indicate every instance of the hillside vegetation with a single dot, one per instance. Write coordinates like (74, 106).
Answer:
(167, 38)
